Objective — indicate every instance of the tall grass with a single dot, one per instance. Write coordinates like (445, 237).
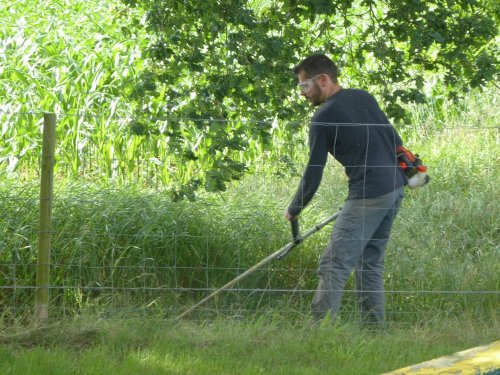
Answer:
(127, 246)
(133, 249)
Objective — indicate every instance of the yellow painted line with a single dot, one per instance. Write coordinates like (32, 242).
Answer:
(476, 361)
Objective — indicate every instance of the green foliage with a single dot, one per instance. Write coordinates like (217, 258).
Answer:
(68, 57)
(134, 250)
(127, 226)
(196, 94)
(82, 60)
(232, 59)
(209, 66)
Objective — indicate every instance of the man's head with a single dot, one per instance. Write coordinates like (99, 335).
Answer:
(317, 76)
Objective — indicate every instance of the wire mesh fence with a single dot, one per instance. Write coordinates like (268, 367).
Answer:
(124, 243)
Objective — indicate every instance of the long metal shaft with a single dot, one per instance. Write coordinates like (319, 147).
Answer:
(277, 254)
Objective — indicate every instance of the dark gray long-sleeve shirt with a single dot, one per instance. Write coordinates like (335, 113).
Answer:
(351, 126)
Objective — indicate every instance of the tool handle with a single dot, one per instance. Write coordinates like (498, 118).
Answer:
(295, 231)
(279, 254)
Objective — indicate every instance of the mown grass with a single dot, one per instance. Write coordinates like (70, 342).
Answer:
(223, 347)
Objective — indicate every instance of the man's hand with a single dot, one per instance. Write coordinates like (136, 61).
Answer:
(288, 216)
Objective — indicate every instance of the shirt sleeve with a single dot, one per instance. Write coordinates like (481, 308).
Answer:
(311, 179)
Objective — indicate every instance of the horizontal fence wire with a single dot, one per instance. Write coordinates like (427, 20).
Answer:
(121, 246)
(256, 290)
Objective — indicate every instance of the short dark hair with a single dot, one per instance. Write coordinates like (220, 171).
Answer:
(318, 64)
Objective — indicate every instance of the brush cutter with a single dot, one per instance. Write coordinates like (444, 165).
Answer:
(279, 254)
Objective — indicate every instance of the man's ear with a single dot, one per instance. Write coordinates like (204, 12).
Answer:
(323, 78)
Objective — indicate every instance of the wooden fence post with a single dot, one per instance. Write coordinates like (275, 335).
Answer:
(45, 225)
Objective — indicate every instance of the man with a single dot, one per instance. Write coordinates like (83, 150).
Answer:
(350, 125)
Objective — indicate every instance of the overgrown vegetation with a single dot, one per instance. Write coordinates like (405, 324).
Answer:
(126, 244)
(117, 230)
(130, 248)
(82, 59)
(127, 108)
(232, 60)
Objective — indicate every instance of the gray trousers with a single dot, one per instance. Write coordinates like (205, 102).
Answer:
(358, 242)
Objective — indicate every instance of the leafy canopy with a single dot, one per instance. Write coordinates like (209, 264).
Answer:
(212, 64)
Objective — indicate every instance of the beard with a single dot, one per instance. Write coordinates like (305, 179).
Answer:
(314, 95)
